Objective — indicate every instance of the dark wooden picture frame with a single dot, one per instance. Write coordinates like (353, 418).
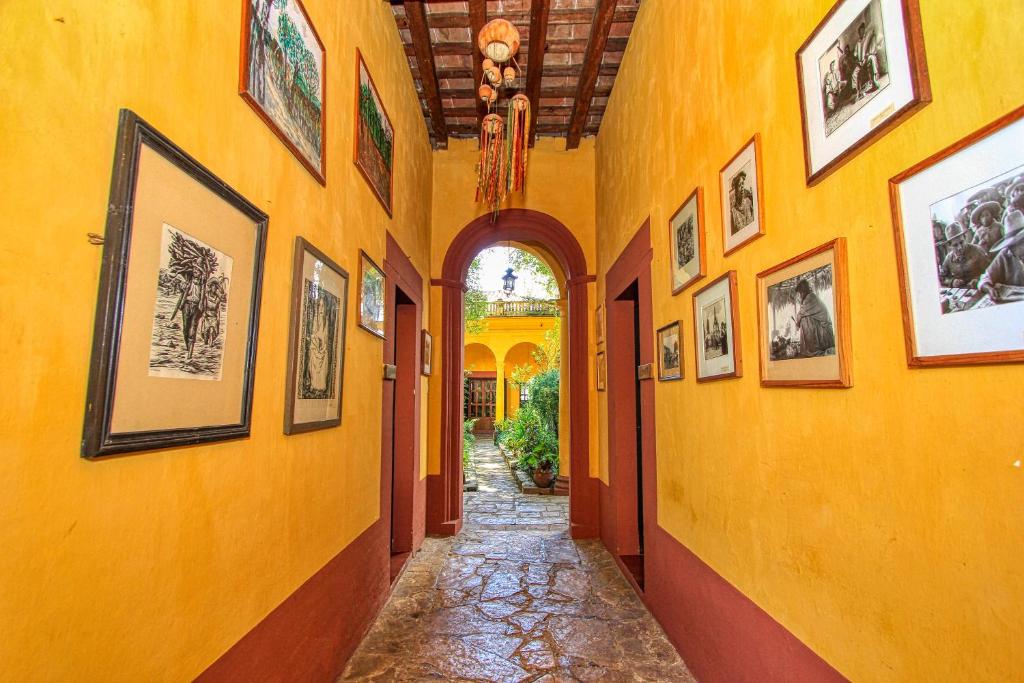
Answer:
(754, 142)
(364, 261)
(427, 353)
(663, 375)
(99, 439)
(385, 202)
(840, 324)
(698, 195)
(920, 83)
(291, 426)
(734, 319)
(320, 173)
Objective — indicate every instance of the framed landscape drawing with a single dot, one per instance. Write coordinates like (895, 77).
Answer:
(600, 371)
(686, 242)
(316, 341)
(371, 296)
(282, 77)
(427, 349)
(804, 320)
(742, 197)
(670, 352)
(959, 223)
(174, 346)
(861, 72)
(374, 137)
(716, 330)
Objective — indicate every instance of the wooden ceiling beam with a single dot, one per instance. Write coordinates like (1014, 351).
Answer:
(416, 14)
(591, 64)
(477, 19)
(540, 11)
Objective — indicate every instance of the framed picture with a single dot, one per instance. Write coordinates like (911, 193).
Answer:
(601, 371)
(374, 137)
(742, 197)
(716, 330)
(371, 296)
(959, 223)
(862, 72)
(427, 346)
(670, 352)
(316, 343)
(599, 324)
(686, 242)
(804, 320)
(282, 75)
(174, 347)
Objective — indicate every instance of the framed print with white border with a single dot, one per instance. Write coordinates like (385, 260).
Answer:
(716, 330)
(670, 351)
(740, 183)
(687, 254)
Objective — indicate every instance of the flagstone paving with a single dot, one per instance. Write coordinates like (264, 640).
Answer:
(498, 504)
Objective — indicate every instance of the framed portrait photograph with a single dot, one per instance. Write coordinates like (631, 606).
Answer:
(316, 341)
(862, 72)
(371, 296)
(374, 137)
(670, 352)
(174, 343)
(959, 224)
(742, 197)
(686, 242)
(282, 77)
(427, 349)
(716, 330)
(599, 324)
(804, 320)
(600, 371)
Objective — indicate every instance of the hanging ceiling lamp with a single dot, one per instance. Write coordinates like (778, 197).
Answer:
(510, 281)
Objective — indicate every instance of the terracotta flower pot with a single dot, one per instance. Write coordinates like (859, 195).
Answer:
(543, 478)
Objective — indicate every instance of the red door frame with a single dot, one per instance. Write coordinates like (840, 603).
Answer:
(444, 490)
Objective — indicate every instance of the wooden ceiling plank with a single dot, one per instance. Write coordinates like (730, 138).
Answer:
(591, 65)
(477, 19)
(540, 11)
(416, 15)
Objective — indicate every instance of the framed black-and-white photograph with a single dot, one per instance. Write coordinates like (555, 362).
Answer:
(959, 222)
(861, 72)
(600, 371)
(316, 341)
(716, 330)
(804, 320)
(686, 242)
(174, 346)
(670, 352)
(742, 197)
(427, 349)
(371, 296)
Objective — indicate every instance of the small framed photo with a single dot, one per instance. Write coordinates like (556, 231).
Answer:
(374, 136)
(716, 330)
(686, 242)
(174, 346)
(959, 223)
(599, 324)
(742, 197)
(427, 349)
(862, 72)
(371, 296)
(670, 352)
(804, 320)
(601, 371)
(316, 342)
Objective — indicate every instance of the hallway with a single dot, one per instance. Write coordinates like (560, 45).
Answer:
(497, 503)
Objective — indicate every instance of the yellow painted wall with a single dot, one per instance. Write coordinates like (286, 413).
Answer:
(520, 355)
(510, 342)
(148, 567)
(479, 358)
(881, 524)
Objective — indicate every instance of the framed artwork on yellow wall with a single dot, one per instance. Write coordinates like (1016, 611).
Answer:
(374, 136)
(742, 197)
(861, 72)
(716, 330)
(670, 352)
(427, 349)
(686, 242)
(601, 371)
(599, 324)
(371, 296)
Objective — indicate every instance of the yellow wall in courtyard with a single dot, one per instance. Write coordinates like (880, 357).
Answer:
(881, 524)
(511, 342)
(148, 567)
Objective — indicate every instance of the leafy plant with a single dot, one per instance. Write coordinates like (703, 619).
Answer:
(531, 441)
(468, 441)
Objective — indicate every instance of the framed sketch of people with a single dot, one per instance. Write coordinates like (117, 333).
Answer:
(686, 242)
(862, 72)
(959, 223)
(316, 342)
(371, 296)
(174, 345)
(742, 197)
(716, 330)
(804, 320)
(670, 352)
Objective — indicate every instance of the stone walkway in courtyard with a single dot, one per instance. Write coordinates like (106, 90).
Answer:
(513, 598)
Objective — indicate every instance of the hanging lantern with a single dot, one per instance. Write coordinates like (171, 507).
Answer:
(485, 92)
(498, 40)
(517, 140)
(490, 186)
(510, 281)
(493, 75)
(510, 76)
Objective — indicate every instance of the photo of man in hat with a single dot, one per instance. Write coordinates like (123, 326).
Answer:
(1007, 268)
(964, 262)
(741, 203)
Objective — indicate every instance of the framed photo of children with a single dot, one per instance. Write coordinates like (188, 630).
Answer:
(316, 344)
(716, 330)
(374, 137)
(804, 320)
(862, 72)
(670, 352)
(371, 296)
(427, 349)
(959, 223)
(686, 242)
(742, 197)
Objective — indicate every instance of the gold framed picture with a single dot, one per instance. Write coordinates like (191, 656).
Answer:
(670, 352)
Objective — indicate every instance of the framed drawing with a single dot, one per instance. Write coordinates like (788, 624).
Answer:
(282, 77)
(174, 347)
(600, 371)
(599, 324)
(371, 296)
(374, 137)
(670, 352)
(742, 197)
(427, 349)
(316, 341)
(959, 223)
(716, 330)
(804, 320)
(686, 242)
(862, 72)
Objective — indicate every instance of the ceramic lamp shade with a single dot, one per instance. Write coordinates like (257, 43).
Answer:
(498, 40)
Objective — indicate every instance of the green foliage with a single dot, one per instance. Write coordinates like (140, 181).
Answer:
(383, 139)
(307, 76)
(525, 262)
(530, 440)
(468, 441)
(544, 398)
(475, 300)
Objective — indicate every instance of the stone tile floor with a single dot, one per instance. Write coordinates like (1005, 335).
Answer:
(513, 598)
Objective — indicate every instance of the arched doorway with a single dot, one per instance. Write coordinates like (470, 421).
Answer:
(444, 490)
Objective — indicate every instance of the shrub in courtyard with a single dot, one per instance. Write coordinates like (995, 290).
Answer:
(468, 441)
